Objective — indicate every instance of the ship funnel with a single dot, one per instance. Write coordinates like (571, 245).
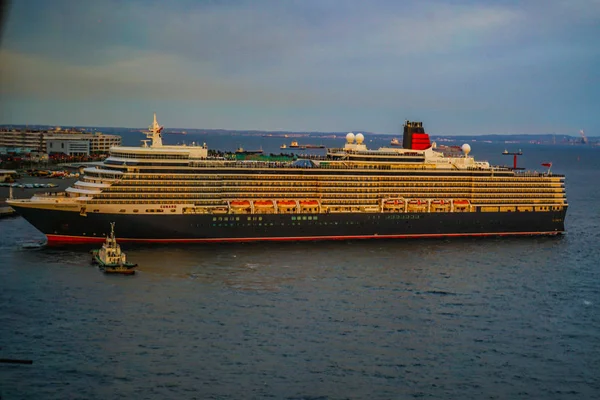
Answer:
(415, 137)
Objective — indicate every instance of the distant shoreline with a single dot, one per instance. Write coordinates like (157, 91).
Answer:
(494, 138)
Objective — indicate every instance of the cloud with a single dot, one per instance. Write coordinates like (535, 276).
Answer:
(143, 75)
(226, 51)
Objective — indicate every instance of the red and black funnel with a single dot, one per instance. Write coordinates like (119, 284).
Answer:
(415, 137)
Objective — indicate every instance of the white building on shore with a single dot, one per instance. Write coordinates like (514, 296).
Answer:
(68, 145)
(70, 142)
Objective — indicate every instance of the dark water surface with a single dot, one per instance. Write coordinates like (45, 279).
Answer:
(444, 319)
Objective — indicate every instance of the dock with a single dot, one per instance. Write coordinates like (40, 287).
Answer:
(6, 210)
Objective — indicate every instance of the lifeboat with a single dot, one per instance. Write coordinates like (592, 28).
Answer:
(240, 204)
(263, 204)
(461, 202)
(417, 202)
(394, 202)
(286, 204)
(439, 202)
(309, 203)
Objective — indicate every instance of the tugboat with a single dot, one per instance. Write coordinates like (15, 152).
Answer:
(110, 258)
(295, 145)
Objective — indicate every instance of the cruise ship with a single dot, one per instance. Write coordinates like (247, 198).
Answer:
(163, 193)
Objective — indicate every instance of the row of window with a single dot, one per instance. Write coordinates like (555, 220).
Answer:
(396, 170)
(293, 218)
(322, 196)
(132, 163)
(397, 214)
(267, 224)
(120, 154)
(102, 176)
(283, 185)
(323, 183)
(337, 178)
(322, 189)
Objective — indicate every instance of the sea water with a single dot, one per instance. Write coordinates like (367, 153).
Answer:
(505, 318)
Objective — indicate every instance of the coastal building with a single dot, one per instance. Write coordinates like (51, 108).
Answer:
(68, 145)
(14, 140)
(70, 142)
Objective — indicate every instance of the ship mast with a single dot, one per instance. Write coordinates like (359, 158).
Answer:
(515, 155)
(154, 133)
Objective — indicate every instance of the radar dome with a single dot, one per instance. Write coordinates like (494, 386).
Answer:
(466, 149)
(350, 137)
(359, 138)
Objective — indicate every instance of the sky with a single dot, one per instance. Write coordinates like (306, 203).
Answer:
(462, 67)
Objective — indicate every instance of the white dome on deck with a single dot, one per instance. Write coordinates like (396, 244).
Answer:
(350, 137)
(466, 149)
(359, 138)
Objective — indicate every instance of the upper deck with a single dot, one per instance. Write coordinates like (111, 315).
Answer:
(354, 155)
(354, 158)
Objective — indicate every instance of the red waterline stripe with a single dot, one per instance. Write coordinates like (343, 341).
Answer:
(63, 239)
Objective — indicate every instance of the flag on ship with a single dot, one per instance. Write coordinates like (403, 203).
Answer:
(547, 164)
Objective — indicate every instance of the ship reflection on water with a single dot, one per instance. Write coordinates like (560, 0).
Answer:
(268, 318)
(415, 264)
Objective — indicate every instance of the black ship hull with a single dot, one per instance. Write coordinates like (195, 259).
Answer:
(71, 227)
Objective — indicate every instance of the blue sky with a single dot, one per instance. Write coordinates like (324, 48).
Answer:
(462, 67)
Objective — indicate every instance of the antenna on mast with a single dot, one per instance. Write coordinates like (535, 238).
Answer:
(154, 133)
(515, 154)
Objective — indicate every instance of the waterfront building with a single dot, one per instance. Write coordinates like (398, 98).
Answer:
(70, 142)
(15, 140)
(68, 146)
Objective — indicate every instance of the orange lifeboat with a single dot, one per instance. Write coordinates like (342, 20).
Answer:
(394, 202)
(263, 204)
(461, 202)
(286, 204)
(439, 202)
(240, 204)
(417, 202)
(309, 203)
